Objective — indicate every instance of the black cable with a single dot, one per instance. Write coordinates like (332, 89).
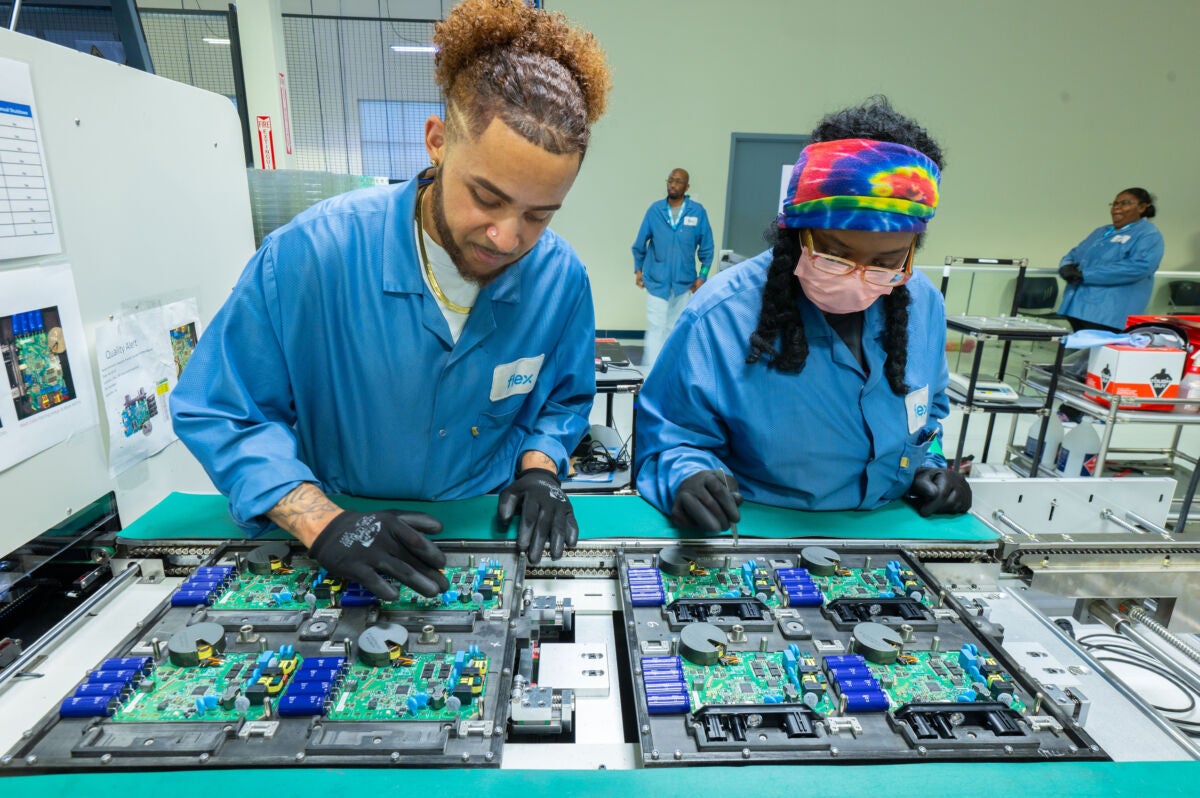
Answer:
(1122, 651)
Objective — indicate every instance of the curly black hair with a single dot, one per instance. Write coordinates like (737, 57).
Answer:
(779, 320)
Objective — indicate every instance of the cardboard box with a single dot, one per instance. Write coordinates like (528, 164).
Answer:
(1151, 372)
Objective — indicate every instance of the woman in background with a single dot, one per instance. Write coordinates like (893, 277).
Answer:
(1110, 274)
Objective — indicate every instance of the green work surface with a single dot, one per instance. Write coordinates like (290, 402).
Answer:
(1029, 780)
(206, 516)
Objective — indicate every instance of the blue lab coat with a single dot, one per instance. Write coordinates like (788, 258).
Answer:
(1118, 273)
(666, 255)
(332, 363)
(828, 438)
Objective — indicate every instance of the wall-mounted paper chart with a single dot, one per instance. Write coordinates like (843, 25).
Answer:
(27, 223)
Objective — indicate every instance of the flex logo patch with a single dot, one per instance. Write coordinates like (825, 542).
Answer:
(363, 533)
(917, 405)
(515, 378)
(1160, 382)
(1105, 378)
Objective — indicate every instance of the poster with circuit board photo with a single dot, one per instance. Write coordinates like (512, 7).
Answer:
(139, 357)
(42, 345)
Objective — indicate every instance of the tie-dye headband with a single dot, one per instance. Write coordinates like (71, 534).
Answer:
(861, 184)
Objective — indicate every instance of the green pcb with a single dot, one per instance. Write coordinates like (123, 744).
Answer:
(716, 583)
(187, 693)
(284, 589)
(751, 677)
(438, 688)
(926, 676)
(42, 371)
(472, 588)
(865, 583)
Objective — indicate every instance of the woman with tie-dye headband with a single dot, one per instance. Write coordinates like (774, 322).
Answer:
(814, 375)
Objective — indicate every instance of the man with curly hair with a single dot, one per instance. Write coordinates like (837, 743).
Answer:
(814, 375)
(431, 340)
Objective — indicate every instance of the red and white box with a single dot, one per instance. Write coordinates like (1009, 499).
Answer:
(1152, 372)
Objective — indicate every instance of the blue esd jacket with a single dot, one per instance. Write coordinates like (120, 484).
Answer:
(1118, 273)
(828, 438)
(332, 363)
(665, 255)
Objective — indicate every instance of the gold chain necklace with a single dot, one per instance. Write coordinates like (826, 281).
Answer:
(433, 283)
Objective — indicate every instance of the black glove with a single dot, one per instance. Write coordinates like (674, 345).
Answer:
(707, 501)
(1071, 273)
(939, 490)
(546, 514)
(358, 545)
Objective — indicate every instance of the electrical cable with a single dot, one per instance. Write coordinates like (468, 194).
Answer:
(1120, 651)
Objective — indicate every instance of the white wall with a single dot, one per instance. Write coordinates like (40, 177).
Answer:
(1046, 108)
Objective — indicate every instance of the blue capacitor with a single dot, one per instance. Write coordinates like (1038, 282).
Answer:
(412, 705)
(210, 701)
(122, 676)
(664, 688)
(871, 701)
(857, 685)
(91, 706)
(309, 688)
(299, 705)
(460, 659)
(358, 599)
(656, 663)
(200, 705)
(422, 699)
(966, 697)
(323, 662)
(142, 664)
(772, 699)
(190, 599)
(451, 596)
(307, 674)
(220, 571)
(107, 689)
(264, 659)
(668, 704)
(474, 650)
(796, 599)
(840, 660)
(647, 599)
(284, 596)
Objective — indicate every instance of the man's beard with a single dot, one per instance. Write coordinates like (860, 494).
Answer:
(451, 246)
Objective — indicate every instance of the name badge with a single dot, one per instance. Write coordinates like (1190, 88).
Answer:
(516, 377)
(1121, 239)
(691, 221)
(917, 405)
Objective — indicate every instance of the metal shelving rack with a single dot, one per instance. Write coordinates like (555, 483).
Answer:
(1006, 329)
(1046, 380)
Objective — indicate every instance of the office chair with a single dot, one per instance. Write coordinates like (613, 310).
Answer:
(1039, 297)
(1184, 296)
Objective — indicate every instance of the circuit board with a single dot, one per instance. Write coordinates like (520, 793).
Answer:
(138, 410)
(471, 588)
(762, 678)
(429, 687)
(183, 343)
(206, 692)
(42, 372)
(776, 653)
(864, 583)
(751, 578)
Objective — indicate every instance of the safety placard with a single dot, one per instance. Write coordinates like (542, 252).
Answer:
(266, 143)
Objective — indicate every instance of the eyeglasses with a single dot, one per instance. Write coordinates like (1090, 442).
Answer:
(875, 275)
(1122, 203)
(677, 180)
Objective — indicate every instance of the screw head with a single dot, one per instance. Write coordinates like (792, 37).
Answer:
(922, 750)
(33, 760)
(834, 751)
(203, 758)
(466, 756)
(489, 756)
(654, 754)
(1008, 749)
(646, 728)
(299, 757)
(395, 756)
(104, 760)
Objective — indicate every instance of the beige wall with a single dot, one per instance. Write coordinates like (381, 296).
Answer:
(1046, 108)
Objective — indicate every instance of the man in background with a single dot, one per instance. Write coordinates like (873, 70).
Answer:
(674, 233)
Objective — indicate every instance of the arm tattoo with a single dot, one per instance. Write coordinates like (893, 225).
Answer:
(303, 512)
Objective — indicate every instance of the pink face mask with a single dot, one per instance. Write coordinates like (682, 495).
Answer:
(837, 293)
